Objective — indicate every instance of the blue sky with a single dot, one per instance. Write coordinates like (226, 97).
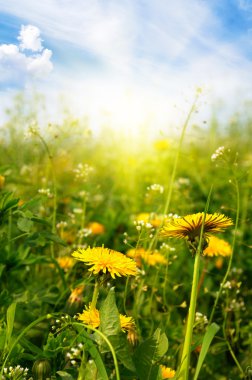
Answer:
(133, 60)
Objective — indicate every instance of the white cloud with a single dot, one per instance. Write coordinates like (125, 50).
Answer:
(16, 66)
(29, 38)
(40, 65)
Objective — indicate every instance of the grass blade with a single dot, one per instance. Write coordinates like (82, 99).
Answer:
(209, 335)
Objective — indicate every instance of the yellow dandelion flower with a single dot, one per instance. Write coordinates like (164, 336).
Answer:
(105, 260)
(167, 373)
(151, 258)
(76, 294)
(189, 226)
(66, 262)
(127, 323)
(136, 254)
(96, 228)
(143, 217)
(90, 317)
(152, 218)
(154, 258)
(217, 247)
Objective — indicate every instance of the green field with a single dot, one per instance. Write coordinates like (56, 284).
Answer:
(63, 188)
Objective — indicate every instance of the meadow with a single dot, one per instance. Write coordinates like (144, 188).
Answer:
(119, 307)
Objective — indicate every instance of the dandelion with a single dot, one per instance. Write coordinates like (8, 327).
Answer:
(91, 317)
(76, 294)
(189, 226)
(66, 262)
(96, 228)
(104, 260)
(217, 247)
(127, 323)
(154, 258)
(151, 258)
(167, 373)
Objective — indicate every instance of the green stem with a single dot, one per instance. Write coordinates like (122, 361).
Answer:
(50, 157)
(95, 295)
(108, 343)
(185, 360)
(231, 256)
(231, 350)
(183, 374)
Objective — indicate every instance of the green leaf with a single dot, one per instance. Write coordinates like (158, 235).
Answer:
(10, 322)
(91, 372)
(10, 204)
(208, 337)
(96, 357)
(31, 347)
(162, 345)
(122, 349)
(148, 354)
(65, 375)
(24, 224)
(109, 315)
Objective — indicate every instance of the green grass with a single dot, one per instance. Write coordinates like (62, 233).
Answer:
(47, 202)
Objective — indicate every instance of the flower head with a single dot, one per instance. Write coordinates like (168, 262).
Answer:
(76, 294)
(151, 258)
(189, 226)
(127, 323)
(96, 228)
(91, 317)
(65, 262)
(104, 260)
(167, 373)
(217, 247)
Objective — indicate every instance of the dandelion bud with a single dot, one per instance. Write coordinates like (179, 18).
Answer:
(41, 369)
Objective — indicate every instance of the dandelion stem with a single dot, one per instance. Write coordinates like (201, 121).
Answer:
(185, 360)
(95, 295)
(183, 374)
(108, 343)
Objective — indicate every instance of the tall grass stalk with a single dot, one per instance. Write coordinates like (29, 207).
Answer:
(175, 165)
(54, 213)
